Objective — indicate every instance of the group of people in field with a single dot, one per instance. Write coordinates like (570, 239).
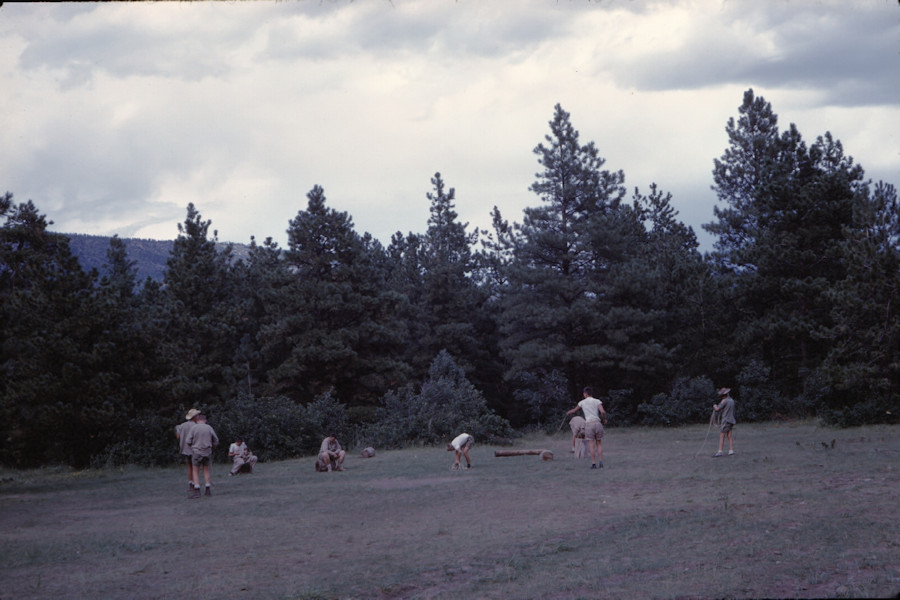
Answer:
(197, 439)
(589, 429)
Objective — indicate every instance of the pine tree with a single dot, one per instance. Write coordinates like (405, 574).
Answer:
(862, 369)
(200, 315)
(52, 373)
(335, 326)
(780, 237)
(552, 311)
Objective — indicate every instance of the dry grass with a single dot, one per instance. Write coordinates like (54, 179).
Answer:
(788, 516)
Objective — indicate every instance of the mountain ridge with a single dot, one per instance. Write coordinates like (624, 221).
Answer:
(149, 256)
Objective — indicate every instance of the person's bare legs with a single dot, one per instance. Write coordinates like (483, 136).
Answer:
(195, 470)
(721, 443)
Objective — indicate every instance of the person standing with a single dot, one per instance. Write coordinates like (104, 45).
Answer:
(726, 405)
(241, 455)
(181, 433)
(202, 439)
(594, 419)
(461, 445)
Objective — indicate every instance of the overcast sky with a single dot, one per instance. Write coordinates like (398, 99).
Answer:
(113, 116)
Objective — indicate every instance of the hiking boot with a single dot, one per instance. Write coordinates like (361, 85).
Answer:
(717, 454)
(593, 466)
(208, 491)
(469, 466)
(195, 493)
(455, 467)
(600, 465)
(731, 453)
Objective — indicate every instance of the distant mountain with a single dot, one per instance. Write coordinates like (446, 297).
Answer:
(150, 256)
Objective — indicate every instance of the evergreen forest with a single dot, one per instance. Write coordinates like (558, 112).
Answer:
(491, 332)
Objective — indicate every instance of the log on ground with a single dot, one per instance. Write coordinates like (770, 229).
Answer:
(544, 454)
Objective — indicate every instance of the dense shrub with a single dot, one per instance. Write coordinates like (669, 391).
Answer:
(149, 440)
(544, 397)
(758, 398)
(690, 401)
(619, 406)
(276, 428)
(446, 405)
(868, 412)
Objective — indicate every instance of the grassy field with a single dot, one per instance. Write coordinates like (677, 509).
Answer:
(799, 512)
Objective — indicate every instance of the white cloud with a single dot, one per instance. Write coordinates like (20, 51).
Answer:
(117, 115)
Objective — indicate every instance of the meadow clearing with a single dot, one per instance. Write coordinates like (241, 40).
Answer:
(800, 511)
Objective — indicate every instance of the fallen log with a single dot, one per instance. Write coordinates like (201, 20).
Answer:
(544, 454)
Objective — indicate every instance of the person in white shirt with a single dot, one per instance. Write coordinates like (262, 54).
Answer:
(331, 455)
(595, 418)
(461, 445)
(241, 455)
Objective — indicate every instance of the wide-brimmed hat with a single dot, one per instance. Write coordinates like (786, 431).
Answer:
(723, 391)
(191, 414)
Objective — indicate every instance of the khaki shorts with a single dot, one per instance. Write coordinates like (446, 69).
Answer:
(726, 427)
(199, 461)
(593, 430)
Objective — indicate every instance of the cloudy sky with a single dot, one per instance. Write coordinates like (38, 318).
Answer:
(113, 116)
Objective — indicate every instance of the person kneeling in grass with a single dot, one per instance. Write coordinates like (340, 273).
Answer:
(331, 455)
(241, 455)
(461, 445)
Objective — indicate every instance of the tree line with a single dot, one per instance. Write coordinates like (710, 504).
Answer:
(494, 331)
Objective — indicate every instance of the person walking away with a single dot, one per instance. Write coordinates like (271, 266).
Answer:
(202, 439)
(181, 433)
(595, 418)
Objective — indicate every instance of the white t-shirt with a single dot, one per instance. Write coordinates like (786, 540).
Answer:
(459, 441)
(591, 407)
(238, 450)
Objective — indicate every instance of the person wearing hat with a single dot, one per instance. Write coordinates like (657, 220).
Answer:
(181, 433)
(726, 405)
